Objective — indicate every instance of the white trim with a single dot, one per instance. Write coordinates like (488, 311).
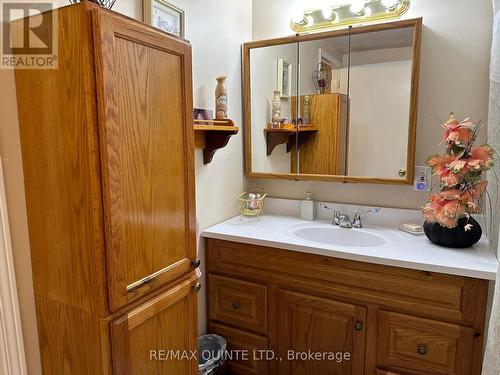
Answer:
(12, 358)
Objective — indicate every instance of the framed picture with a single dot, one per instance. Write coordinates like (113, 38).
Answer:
(284, 78)
(165, 16)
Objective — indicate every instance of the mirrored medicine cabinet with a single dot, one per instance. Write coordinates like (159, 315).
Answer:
(334, 106)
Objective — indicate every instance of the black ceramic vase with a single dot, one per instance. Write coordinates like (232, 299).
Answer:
(455, 237)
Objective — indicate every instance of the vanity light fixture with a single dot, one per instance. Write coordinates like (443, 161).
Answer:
(330, 14)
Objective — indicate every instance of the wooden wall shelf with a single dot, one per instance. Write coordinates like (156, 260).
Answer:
(213, 137)
(275, 137)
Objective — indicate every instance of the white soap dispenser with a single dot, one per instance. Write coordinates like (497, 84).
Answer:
(308, 208)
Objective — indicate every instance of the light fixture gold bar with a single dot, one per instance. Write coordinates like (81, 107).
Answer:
(314, 19)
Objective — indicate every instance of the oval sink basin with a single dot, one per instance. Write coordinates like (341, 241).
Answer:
(342, 237)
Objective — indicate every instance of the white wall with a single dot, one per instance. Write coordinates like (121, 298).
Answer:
(454, 71)
(216, 29)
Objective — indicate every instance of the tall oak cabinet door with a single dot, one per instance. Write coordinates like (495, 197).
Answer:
(160, 336)
(318, 335)
(146, 144)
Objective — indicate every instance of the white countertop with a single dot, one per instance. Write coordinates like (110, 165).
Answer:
(409, 251)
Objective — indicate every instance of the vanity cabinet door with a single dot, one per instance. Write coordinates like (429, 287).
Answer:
(160, 336)
(146, 135)
(333, 332)
(424, 346)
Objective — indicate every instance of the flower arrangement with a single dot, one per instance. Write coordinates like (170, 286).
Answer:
(460, 172)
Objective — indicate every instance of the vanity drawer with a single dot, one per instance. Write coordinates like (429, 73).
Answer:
(424, 346)
(245, 349)
(239, 303)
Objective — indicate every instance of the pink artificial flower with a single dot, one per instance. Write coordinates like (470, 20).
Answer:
(481, 157)
(445, 212)
(458, 133)
(445, 167)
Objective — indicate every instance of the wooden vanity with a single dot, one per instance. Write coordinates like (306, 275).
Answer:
(389, 320)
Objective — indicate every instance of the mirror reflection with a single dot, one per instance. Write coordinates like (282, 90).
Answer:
(338, 106)
(380, 90)
(323, 107)
(273, 84)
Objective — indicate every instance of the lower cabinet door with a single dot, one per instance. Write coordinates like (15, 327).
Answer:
(423, 346)
(160, 336)
(318, 335)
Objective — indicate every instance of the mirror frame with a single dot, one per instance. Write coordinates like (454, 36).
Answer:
(416, 23)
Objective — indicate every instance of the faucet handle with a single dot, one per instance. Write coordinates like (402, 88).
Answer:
(356, 221)
(336, 214)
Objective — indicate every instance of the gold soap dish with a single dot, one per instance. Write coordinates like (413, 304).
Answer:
(251, 204)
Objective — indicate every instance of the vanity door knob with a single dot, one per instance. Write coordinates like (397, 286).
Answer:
(358, 326)
(236, 305)
(422, 350)
(196, 263)
(402, 172)
(196, 287)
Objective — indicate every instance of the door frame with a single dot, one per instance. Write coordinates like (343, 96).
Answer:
(12, 356)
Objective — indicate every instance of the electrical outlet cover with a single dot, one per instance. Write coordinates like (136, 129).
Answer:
(423, 178)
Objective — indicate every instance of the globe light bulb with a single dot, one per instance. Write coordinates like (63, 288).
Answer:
(327, 12)
(357, 6)
(298, 12)
(390, 3)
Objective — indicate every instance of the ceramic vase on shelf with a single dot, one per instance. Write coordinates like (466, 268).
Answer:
(221, 98)
(276, 120)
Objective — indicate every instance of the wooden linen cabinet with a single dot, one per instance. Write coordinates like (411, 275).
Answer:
(107, 145)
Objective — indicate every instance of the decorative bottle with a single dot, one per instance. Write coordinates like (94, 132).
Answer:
(221, 98)
(307, 109)
(276, 120)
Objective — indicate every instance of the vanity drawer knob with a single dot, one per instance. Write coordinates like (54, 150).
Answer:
(196, 287)
(196, 263)
(402, 172)
(358, 326)
(236, 305)
(422, 350)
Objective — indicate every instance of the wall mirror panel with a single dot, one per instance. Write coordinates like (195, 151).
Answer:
(335, 106)
(273, 67)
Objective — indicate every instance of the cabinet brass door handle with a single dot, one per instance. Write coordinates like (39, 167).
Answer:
(236, 305)
(358, 326)
(422, 350)
(196, 263)
(197, 287)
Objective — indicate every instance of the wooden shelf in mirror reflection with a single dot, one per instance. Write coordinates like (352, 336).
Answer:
(211, 138)
(286, 134)
(326, 152)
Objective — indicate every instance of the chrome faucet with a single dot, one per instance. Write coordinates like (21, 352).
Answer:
(336, 214)
(356, 221)
(343, 220)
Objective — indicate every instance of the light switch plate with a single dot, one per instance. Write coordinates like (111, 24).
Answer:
(423, 178)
